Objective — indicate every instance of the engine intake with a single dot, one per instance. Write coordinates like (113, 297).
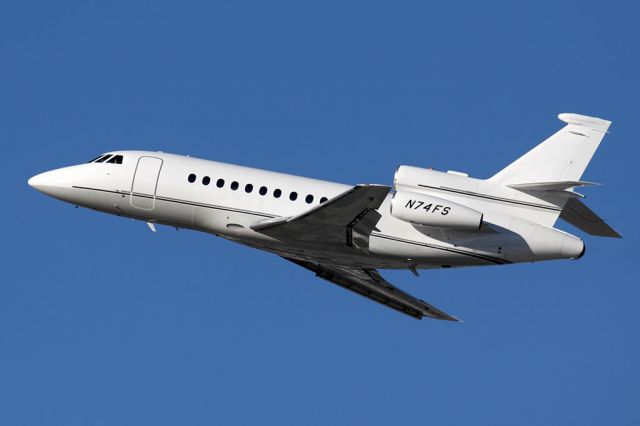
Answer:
(427, 210)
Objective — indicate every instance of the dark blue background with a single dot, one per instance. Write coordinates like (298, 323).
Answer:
(105, 323)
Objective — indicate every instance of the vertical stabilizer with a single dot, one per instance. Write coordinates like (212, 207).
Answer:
(562, 157)
(551, 170)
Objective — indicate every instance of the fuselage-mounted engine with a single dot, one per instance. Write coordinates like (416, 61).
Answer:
(427, 210)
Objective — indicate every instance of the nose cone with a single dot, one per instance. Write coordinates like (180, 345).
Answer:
(54, 183)
(38, 181)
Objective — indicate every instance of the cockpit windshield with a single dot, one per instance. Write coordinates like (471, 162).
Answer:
(108, 158)
(94, 159)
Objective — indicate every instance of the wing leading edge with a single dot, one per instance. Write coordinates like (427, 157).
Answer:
(369, 283)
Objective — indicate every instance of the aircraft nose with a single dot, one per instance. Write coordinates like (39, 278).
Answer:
(37, 181)
(52, 182)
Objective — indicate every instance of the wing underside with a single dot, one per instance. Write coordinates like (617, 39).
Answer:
(582, 217)
(369, 283)
(347, 220)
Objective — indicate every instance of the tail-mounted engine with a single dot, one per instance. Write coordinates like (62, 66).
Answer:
(427, 210)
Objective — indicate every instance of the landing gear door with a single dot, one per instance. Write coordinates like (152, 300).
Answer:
(145, 183)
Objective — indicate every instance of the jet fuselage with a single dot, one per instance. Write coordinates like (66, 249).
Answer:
(225, 200)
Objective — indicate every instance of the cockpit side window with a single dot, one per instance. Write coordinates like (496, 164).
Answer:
(94, 159)
(103, 158)
(116, 159)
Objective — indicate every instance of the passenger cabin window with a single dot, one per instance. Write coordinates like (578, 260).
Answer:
(263, 190)
(220, 183)
(323, 200)
(248, 188)
(309, 199)
(206, 180)
(293, 196)
(192, 178)
(277, 193)
(234, 185)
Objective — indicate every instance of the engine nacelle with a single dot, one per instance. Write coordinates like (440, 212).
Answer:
(427, 210)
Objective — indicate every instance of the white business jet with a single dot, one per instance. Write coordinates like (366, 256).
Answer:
(428, 219)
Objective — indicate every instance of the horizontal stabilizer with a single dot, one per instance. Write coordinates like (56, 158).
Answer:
(582, 217)
(550, 186)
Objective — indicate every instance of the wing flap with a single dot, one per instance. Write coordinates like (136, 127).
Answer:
(369, 283)
(582, 217)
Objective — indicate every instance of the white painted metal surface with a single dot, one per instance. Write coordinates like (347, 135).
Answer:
(145, 182)
(343, 233)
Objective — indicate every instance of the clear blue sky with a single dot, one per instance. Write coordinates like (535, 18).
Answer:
(104, 323)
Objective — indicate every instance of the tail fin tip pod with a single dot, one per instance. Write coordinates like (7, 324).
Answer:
(585, 120)
(564, 156)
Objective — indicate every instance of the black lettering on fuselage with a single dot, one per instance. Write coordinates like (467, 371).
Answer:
(417, 204)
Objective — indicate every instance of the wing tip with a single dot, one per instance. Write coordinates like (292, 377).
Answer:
(439, 315)
(453, 319)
